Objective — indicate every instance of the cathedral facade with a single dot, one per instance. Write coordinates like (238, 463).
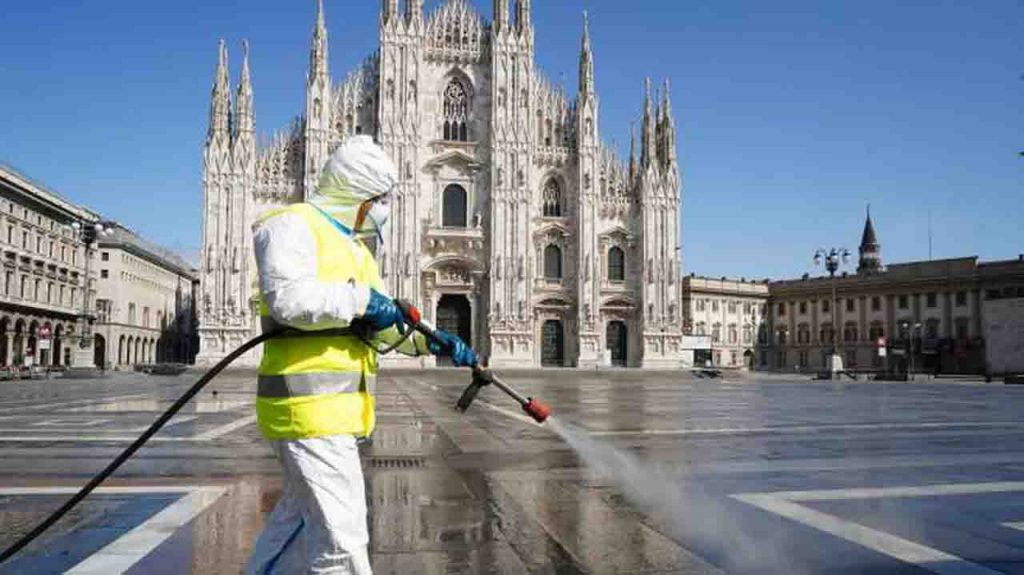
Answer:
(514, 225)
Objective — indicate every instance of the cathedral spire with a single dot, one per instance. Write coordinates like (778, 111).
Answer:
(632, 150)
(523, 18)
(318, 51)
(668, 128)
(586, 60)
(649, 147)
(244, 122)
(220, 99)
(413, 10)
(500, 15)
(389, 9)
(870, 250)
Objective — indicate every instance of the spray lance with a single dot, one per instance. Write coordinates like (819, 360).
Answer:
(481, 377)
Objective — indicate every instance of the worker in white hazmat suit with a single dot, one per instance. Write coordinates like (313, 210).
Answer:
(316, 394)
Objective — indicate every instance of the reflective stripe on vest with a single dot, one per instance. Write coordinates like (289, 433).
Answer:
(316, 386)
(301, 384)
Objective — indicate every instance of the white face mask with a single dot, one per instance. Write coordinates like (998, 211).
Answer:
(376, 217)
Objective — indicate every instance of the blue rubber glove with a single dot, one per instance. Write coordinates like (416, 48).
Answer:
(447, 344)
(382, 313)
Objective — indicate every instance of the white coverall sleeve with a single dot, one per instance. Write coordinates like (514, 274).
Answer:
(287, 262)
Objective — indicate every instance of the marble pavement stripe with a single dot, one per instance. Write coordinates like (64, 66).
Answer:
(128, 549)
(226, 428)
(784, 503)
(807, 428)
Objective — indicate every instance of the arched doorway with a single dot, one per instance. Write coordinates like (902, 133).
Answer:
(552, 344)
(4, 327)
(19, 343)
(45, 343)
(617, 336)
(58, 343)
(32, 348)
(99, 353)
(128, 351)
(455, 316)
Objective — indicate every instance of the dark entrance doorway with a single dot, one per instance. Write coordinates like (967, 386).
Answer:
(99, 354)
(552, 341)
(616, 336)
(455, 317)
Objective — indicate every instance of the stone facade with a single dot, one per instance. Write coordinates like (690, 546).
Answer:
(144, 303)
(44, 273)
(514, 224)
(931, 313)
(731, 312)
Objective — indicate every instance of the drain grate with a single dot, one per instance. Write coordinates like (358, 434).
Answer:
(396, 462)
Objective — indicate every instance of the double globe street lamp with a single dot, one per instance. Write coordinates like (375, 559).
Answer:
(88, 232)
(833, 258)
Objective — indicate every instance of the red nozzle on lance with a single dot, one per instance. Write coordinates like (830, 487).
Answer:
(537, 410)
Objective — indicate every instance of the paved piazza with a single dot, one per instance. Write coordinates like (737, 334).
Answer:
(746, 475)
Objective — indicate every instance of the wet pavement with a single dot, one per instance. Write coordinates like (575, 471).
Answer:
(743, 475)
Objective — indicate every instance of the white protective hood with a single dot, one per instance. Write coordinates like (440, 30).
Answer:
(359, 170)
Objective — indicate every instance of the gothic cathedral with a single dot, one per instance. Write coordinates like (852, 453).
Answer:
(513, 226)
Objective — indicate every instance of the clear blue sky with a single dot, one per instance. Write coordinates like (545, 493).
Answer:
(793, 115)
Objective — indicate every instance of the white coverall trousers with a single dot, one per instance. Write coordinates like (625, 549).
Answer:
(319, 524)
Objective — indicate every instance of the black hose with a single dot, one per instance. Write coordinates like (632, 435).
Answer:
(171, 411)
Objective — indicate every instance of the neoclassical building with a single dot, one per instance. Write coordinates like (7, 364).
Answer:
(514, 224)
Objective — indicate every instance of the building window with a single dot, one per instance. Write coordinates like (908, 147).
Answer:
(39, 244)
(783, 335)
(803, 334)
(8, 280)
(145, 316)
(803, 308)
(902, 304)
(716, 333)
(24, 287)
(35, 292)
(931, 300)
(456, 112)
(552, 199)
(454, 209)
(961, 299)
(49, 292)
(931, 329)
(826, 306)
(876, 303)
(850, 332)
(105, 256)
(714, 306)
(702, 328)
(552, 262)
(732, 307)
(24, 240)
(962, 332)
(746, 308)
(748, 334)
(701, 304)
(104, 274)
(733, 335)
(849, 304)
(616, 265)
(131, 313)
(826, 333)
(782, 309)
(61, 295)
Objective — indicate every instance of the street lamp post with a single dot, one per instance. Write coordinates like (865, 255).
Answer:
(833, 258)
(87, 232)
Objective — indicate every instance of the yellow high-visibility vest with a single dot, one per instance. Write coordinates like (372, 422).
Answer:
(319, 386)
